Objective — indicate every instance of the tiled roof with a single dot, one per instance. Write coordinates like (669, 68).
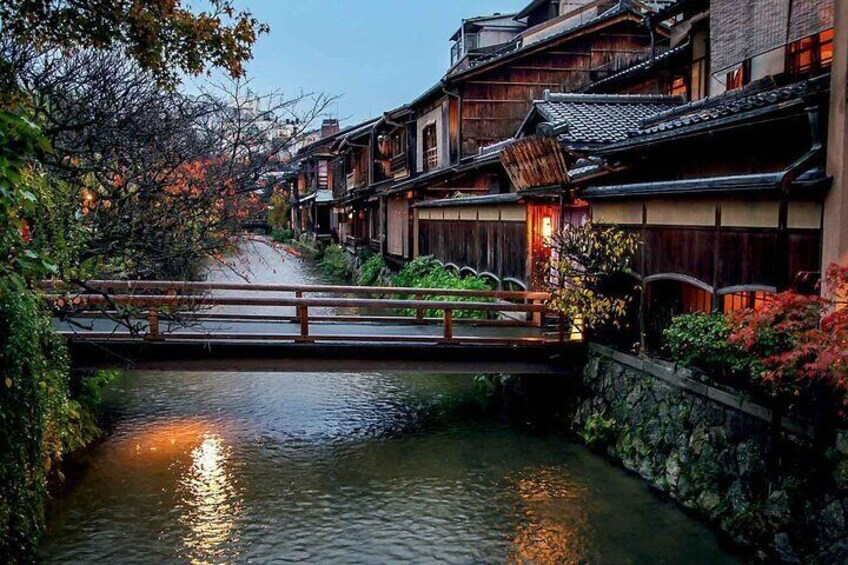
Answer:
(757, 98)
(599, 118)
(760, 182)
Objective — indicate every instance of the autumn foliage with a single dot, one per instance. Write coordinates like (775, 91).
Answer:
(799, 342)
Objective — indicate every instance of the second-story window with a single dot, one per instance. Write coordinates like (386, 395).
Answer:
(811, 55)
(679, 87)
(430, 144)
(740, 76)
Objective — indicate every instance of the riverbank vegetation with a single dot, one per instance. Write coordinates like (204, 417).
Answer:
(107, 170)
(792, 349)
(427, 272)
(422, 272)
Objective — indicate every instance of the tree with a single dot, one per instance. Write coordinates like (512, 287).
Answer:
(163, 180)
(585, 261)
(801, 344)
(163, 36)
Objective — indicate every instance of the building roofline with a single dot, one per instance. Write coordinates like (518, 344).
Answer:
(613, 15)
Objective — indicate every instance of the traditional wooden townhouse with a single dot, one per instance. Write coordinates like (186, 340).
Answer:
(352, 213)
(726, 191)
(463, 122)
(317, 176)
(554, 157)
(311, 179)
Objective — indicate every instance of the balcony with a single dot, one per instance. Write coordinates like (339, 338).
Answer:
(397, 166)
(356, 179)
(431, 159)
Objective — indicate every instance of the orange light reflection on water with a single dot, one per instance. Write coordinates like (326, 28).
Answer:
(207, 498)
(553, 519)
(210, 501)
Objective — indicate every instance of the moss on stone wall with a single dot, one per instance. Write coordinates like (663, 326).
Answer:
(785, 501)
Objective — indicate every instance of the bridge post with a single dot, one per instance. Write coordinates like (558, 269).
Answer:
(153, 333)
(538, 315)
(448, 325)
(303, 317)
(419, 312)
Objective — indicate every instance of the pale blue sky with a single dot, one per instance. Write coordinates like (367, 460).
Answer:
(379, 54)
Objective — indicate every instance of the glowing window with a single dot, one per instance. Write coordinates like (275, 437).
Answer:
(810, 55)
(745, 300)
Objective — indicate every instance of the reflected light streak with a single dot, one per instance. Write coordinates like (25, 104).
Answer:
(553, 521)
(211, 503)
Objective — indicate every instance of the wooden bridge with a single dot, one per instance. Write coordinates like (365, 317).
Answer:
(241, 326)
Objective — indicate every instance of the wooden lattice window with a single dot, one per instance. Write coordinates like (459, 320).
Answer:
(695, 299)
(811, 55)
(745, 300)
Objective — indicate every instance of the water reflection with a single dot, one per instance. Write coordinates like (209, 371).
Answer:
(553, 523)
(210, 503)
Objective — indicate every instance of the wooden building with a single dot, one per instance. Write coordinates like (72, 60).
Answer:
(726, 192)
(463, 123)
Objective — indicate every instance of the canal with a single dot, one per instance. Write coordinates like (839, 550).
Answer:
(346, 468)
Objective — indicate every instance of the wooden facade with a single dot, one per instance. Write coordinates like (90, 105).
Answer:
(488, 238)
(725, 192)
(495, 98)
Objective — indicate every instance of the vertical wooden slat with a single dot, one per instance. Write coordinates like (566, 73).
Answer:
(153, 332)
(448, 325)
(303, 316)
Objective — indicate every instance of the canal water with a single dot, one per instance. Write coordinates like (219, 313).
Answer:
(347, 468)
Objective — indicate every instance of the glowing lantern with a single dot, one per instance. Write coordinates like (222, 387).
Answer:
(547, 228)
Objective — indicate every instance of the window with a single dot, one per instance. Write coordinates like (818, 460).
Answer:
(430, 160)
(399, 143)
(695, 299)
(745, 299)
(698, 79)
(679, 87)
(740, 76)
(810, 55)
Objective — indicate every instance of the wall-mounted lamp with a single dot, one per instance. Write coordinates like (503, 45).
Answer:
(547, 228)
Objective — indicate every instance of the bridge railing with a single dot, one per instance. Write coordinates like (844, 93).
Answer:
(166, 300)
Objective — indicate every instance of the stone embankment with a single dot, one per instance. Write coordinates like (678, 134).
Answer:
(715, 453)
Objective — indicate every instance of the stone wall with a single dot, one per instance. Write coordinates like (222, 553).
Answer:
(714, 453)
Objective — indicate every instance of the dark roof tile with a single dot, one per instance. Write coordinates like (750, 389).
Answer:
(599, 118)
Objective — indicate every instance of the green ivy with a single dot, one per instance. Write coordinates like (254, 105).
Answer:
(427, 272)
(598, 430)
(373, 271)
(40, 420)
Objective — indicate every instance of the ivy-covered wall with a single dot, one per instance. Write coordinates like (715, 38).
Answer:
(714, 453)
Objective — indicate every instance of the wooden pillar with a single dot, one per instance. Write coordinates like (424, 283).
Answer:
(303, 317)
(448, 325)
(835, 228)
(153, 332)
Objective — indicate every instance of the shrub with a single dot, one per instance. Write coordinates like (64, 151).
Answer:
(702, 340)
(800, 342)
(373, 272)
(426, 272)
(278, 214)
(584, 259)
(598, 431)
(333, 262)
(283, 236)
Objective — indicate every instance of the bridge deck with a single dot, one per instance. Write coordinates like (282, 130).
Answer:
(193, 324)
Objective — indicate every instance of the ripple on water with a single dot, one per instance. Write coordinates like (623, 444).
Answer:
(346, 468)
